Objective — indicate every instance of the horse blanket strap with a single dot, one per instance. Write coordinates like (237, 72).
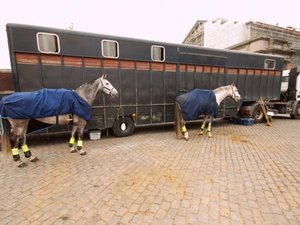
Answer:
(197, 102)
(44, 103)
(70, 119)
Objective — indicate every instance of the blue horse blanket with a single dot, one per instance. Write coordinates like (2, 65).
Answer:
(197, 102)
(44, 103)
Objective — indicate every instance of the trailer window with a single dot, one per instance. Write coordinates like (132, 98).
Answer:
(158, 53)
(110, 49)
(270, 64)
(48, 43)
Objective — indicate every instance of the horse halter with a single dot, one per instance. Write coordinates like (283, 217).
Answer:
(109, 89)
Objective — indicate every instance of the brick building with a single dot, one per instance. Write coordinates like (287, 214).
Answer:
(6, 82)
(248, 36)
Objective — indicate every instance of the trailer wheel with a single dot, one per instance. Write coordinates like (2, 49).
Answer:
(297, 113)
(258, 114)
(123, 127)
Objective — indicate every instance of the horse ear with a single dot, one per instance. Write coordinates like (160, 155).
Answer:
(103, 76)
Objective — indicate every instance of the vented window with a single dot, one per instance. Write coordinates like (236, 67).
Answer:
(48, 43)
(110, 49)
(270, 64)
(158, 53)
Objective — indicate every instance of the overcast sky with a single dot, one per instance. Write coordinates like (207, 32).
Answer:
(159, 20)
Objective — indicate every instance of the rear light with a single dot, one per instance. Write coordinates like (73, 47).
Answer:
(133, 116)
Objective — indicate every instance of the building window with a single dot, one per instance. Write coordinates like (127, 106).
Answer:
(48, 43)
(157, 53)
(110, 49)
(270, 64)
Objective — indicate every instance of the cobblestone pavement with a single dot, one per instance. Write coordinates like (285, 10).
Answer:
(243, 175)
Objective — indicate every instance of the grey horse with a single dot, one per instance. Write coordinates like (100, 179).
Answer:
(15, 129)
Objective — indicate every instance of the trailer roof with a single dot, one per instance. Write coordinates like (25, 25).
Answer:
(115, 37)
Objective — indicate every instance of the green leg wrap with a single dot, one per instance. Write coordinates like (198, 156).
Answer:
(26, 150)
(15, 154)
(209, 127)
(72, 141)
(183, 129)
(79, 144)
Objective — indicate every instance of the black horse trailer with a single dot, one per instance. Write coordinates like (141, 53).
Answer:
(149, 75)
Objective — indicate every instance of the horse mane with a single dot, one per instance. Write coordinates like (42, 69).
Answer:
(85, 91)
(223, 88)
(89, 83)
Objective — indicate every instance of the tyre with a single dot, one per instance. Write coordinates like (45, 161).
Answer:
(258, 114)
(297, 113)
(123, 127)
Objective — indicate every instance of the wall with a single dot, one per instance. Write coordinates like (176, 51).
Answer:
(6, 83)
(222, 33)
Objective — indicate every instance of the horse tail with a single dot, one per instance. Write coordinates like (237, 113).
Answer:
(6, 144)
(177, 120)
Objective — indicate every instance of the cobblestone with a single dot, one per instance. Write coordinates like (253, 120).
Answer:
(243, 175)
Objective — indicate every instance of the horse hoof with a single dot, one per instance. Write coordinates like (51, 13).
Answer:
(83, 153)
(34, 159)
(200, 133)
(22, 164)
(186, 137)
(73, 150)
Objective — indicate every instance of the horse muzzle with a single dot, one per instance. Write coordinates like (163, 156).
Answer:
(113, 93)
(237, 98)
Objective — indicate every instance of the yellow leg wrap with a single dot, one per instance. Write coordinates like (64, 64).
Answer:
(183, 129)
(209, 128)
(80, 143)
(25, 148)
(15, 151)
(202, 126)
(72, 140)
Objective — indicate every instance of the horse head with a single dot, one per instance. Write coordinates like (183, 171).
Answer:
(235, 93)
(107, 88)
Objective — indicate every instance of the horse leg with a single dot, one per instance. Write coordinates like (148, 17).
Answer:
(26, 149)
(209, 127)
(15, 152)
(72, 140)
(180, 123)
(178, 118)
(203, 125)
(18, 127)
(79, 146)
(184, 130)
(27, 152)
(80, 139)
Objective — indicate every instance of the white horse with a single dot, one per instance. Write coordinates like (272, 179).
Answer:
(17, 127)
(191, 105)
